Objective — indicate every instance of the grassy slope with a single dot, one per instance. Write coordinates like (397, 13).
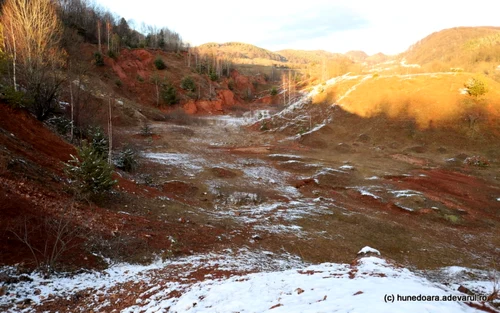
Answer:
(464, 47)
(425, 97)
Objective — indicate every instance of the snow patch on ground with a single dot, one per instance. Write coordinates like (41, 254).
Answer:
(230, 121)
(404, 64)
(285, 156)
(265, 215)
(404, 207)
(325, 287)
(265, 175)
(368, 249)
(37, 288)
(405, 193)
(283, 284)
(368, 191)
(328, 170)
(353, 88)
(315, 129)
(481, 282)
(188, 163)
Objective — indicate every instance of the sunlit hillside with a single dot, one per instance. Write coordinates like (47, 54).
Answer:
(241, 53)
(469, 48)
(428, 98)
(357, 55)
(309, 67)
(310, 56)
(378, 58)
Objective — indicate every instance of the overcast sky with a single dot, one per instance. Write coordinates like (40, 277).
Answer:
(336, 25)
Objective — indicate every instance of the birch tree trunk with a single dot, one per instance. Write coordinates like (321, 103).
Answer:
(108, 28)
(14, 58)
(110, 134)
(99, 36)
(72, 109)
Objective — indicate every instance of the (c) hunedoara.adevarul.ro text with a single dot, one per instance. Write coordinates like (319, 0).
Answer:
(421, 298)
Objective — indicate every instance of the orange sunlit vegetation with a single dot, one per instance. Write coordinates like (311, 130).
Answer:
(430, 99)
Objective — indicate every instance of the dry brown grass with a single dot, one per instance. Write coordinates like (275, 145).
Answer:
(429, 99)
(457, 47)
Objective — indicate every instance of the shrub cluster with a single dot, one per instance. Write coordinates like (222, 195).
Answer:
(127, 160)
(188, 84)
(160, 65)
(89, 172)
(99, 59)
(169, 94)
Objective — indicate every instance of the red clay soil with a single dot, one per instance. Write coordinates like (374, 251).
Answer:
(40, 145)
(457, 191)
(134, 73)
(33, 197)
(133, 188)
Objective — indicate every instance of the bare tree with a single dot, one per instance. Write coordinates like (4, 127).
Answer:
(57, 234)
(283, 80)
(110, 133)
(99, 36)
(77, 70)
(32, 31)
(108, 30)
(72, 103)
(13, 50)
(156, 80)
(189, 55)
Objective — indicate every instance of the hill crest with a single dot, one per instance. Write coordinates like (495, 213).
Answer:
(464, 47)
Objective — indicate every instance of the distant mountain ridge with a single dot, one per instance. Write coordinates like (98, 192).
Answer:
(239, 50)
(309, 56)
(357, 55)
(473, 49)
(246, 52)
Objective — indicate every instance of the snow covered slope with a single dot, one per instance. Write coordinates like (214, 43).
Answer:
(369, 284)
(319, 288)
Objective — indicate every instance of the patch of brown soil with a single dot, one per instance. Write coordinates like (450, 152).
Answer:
(179, 189)
(134, 188)
(458, 191)
(251, 150)
(223, 172)
(410, 159)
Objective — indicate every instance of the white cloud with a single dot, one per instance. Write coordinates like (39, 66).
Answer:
(338, 26)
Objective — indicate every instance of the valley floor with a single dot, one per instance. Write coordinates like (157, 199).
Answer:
(272, 219)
